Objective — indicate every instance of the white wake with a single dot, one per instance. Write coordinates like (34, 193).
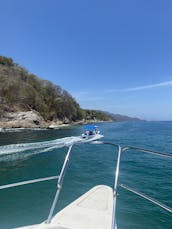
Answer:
(46, 145)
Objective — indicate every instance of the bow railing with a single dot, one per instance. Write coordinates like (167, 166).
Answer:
(120, 151)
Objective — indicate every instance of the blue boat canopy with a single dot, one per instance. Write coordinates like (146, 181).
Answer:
(90, 130)
(90, 127)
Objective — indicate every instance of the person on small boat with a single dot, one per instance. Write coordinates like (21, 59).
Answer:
(96, 131)
(87, 132)
(90, 131)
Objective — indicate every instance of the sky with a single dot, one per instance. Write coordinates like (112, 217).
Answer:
(109, 55)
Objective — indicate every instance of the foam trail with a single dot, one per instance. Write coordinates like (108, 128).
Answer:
(44, 146)
(15, 148)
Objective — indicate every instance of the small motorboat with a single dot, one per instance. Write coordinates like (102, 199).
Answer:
(90, 131)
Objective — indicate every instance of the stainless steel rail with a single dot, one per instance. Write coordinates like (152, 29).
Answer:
(60, 183)
(121, 150)
(146, 151)
(28, 182)
(114, 225)
(165, 207)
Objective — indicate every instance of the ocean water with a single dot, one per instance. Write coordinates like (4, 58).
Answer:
(90, 165)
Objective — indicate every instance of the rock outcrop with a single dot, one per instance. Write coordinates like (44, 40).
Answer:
(27, 119)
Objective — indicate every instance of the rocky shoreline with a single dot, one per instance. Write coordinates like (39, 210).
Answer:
(32, 119)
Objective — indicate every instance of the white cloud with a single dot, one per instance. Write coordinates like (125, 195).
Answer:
(162, 84)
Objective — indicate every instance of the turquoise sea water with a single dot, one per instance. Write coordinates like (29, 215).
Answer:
(90, 165)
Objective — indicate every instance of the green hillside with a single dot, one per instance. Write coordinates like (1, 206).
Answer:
(23, 91)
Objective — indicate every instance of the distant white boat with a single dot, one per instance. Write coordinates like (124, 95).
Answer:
(91, 131)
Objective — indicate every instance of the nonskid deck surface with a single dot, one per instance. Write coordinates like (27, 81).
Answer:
(93, 210)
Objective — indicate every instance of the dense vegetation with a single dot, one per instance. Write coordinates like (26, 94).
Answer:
(22, 91)
(96, 115)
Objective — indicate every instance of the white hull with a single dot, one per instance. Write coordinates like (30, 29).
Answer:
(91, 137)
